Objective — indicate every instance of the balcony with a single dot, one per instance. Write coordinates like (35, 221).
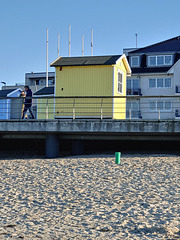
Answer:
(134, 91)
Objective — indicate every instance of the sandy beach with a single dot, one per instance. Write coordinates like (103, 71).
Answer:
(90, 197)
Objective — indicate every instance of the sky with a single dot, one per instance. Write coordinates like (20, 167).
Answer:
(23, 25)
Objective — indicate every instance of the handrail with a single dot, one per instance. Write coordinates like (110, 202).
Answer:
(94, 97)
(48, 107)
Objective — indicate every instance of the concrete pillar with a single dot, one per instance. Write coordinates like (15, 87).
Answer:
(77, 147)
(52, 146)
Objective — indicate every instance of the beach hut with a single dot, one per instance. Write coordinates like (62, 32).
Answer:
(44, 104)
(92, 76)
(10, 106)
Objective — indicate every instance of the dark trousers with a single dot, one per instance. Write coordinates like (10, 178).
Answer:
(30, 111)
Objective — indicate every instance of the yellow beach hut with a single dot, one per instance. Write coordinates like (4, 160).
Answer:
(91, 77)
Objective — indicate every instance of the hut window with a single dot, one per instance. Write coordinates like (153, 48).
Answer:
(120, 82)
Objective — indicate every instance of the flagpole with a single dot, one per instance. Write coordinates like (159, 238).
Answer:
(47, 59)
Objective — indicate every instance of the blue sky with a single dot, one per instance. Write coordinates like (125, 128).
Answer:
(23, 26)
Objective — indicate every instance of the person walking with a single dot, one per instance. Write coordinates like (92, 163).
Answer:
(28, 102)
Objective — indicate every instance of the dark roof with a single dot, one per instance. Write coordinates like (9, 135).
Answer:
(86, 61)
(170, 45)
(4, 93)
(45, 91)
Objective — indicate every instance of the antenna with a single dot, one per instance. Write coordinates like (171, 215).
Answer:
(69, 40)
(47, 59)
(82, 45)
(136, 39)
(58, 43)
(91, 42)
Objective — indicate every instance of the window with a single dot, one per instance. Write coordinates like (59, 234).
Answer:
(159, 82)
(50, 81)
(133, 86)
(152, 83)
(37, 82)
(135, 61)
(167, 82)
(120, 82)
(167, 105)
(42, 82)
(168, 60)
(133, 83)
(128, 83)
(160, 106)
(160, 60)
(152, 106)
(152, 61)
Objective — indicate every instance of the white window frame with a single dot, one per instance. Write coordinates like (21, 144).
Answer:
(157, 65)
(121, 72)
(161, 110)
(132, 61)
(156, 79)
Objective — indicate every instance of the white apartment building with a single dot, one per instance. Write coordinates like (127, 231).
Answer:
(155, 72)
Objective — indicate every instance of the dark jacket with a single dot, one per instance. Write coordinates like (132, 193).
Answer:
(28, 101)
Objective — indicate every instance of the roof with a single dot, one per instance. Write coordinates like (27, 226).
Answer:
(86, 61)
(170, 45)
(39, 75)
(4, 93)
(45, 91)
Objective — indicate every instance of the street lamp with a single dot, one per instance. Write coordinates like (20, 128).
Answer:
(4, 83)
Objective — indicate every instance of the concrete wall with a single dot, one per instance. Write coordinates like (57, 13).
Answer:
(90, 126)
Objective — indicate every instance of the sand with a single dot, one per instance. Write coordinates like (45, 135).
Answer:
(90, 197)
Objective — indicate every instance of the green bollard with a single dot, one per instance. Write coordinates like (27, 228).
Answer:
(118, 157)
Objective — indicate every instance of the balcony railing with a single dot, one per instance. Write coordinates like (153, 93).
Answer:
(134, 91)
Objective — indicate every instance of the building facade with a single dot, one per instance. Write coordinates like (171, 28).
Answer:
(155, 72)
(37, 81)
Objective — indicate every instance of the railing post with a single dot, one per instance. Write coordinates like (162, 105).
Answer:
(47, 109)
(101, 108)
(159, 115)
(74, 109)
(130, 113)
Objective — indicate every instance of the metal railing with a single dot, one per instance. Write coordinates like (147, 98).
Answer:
(133, 91)
(96, 107)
